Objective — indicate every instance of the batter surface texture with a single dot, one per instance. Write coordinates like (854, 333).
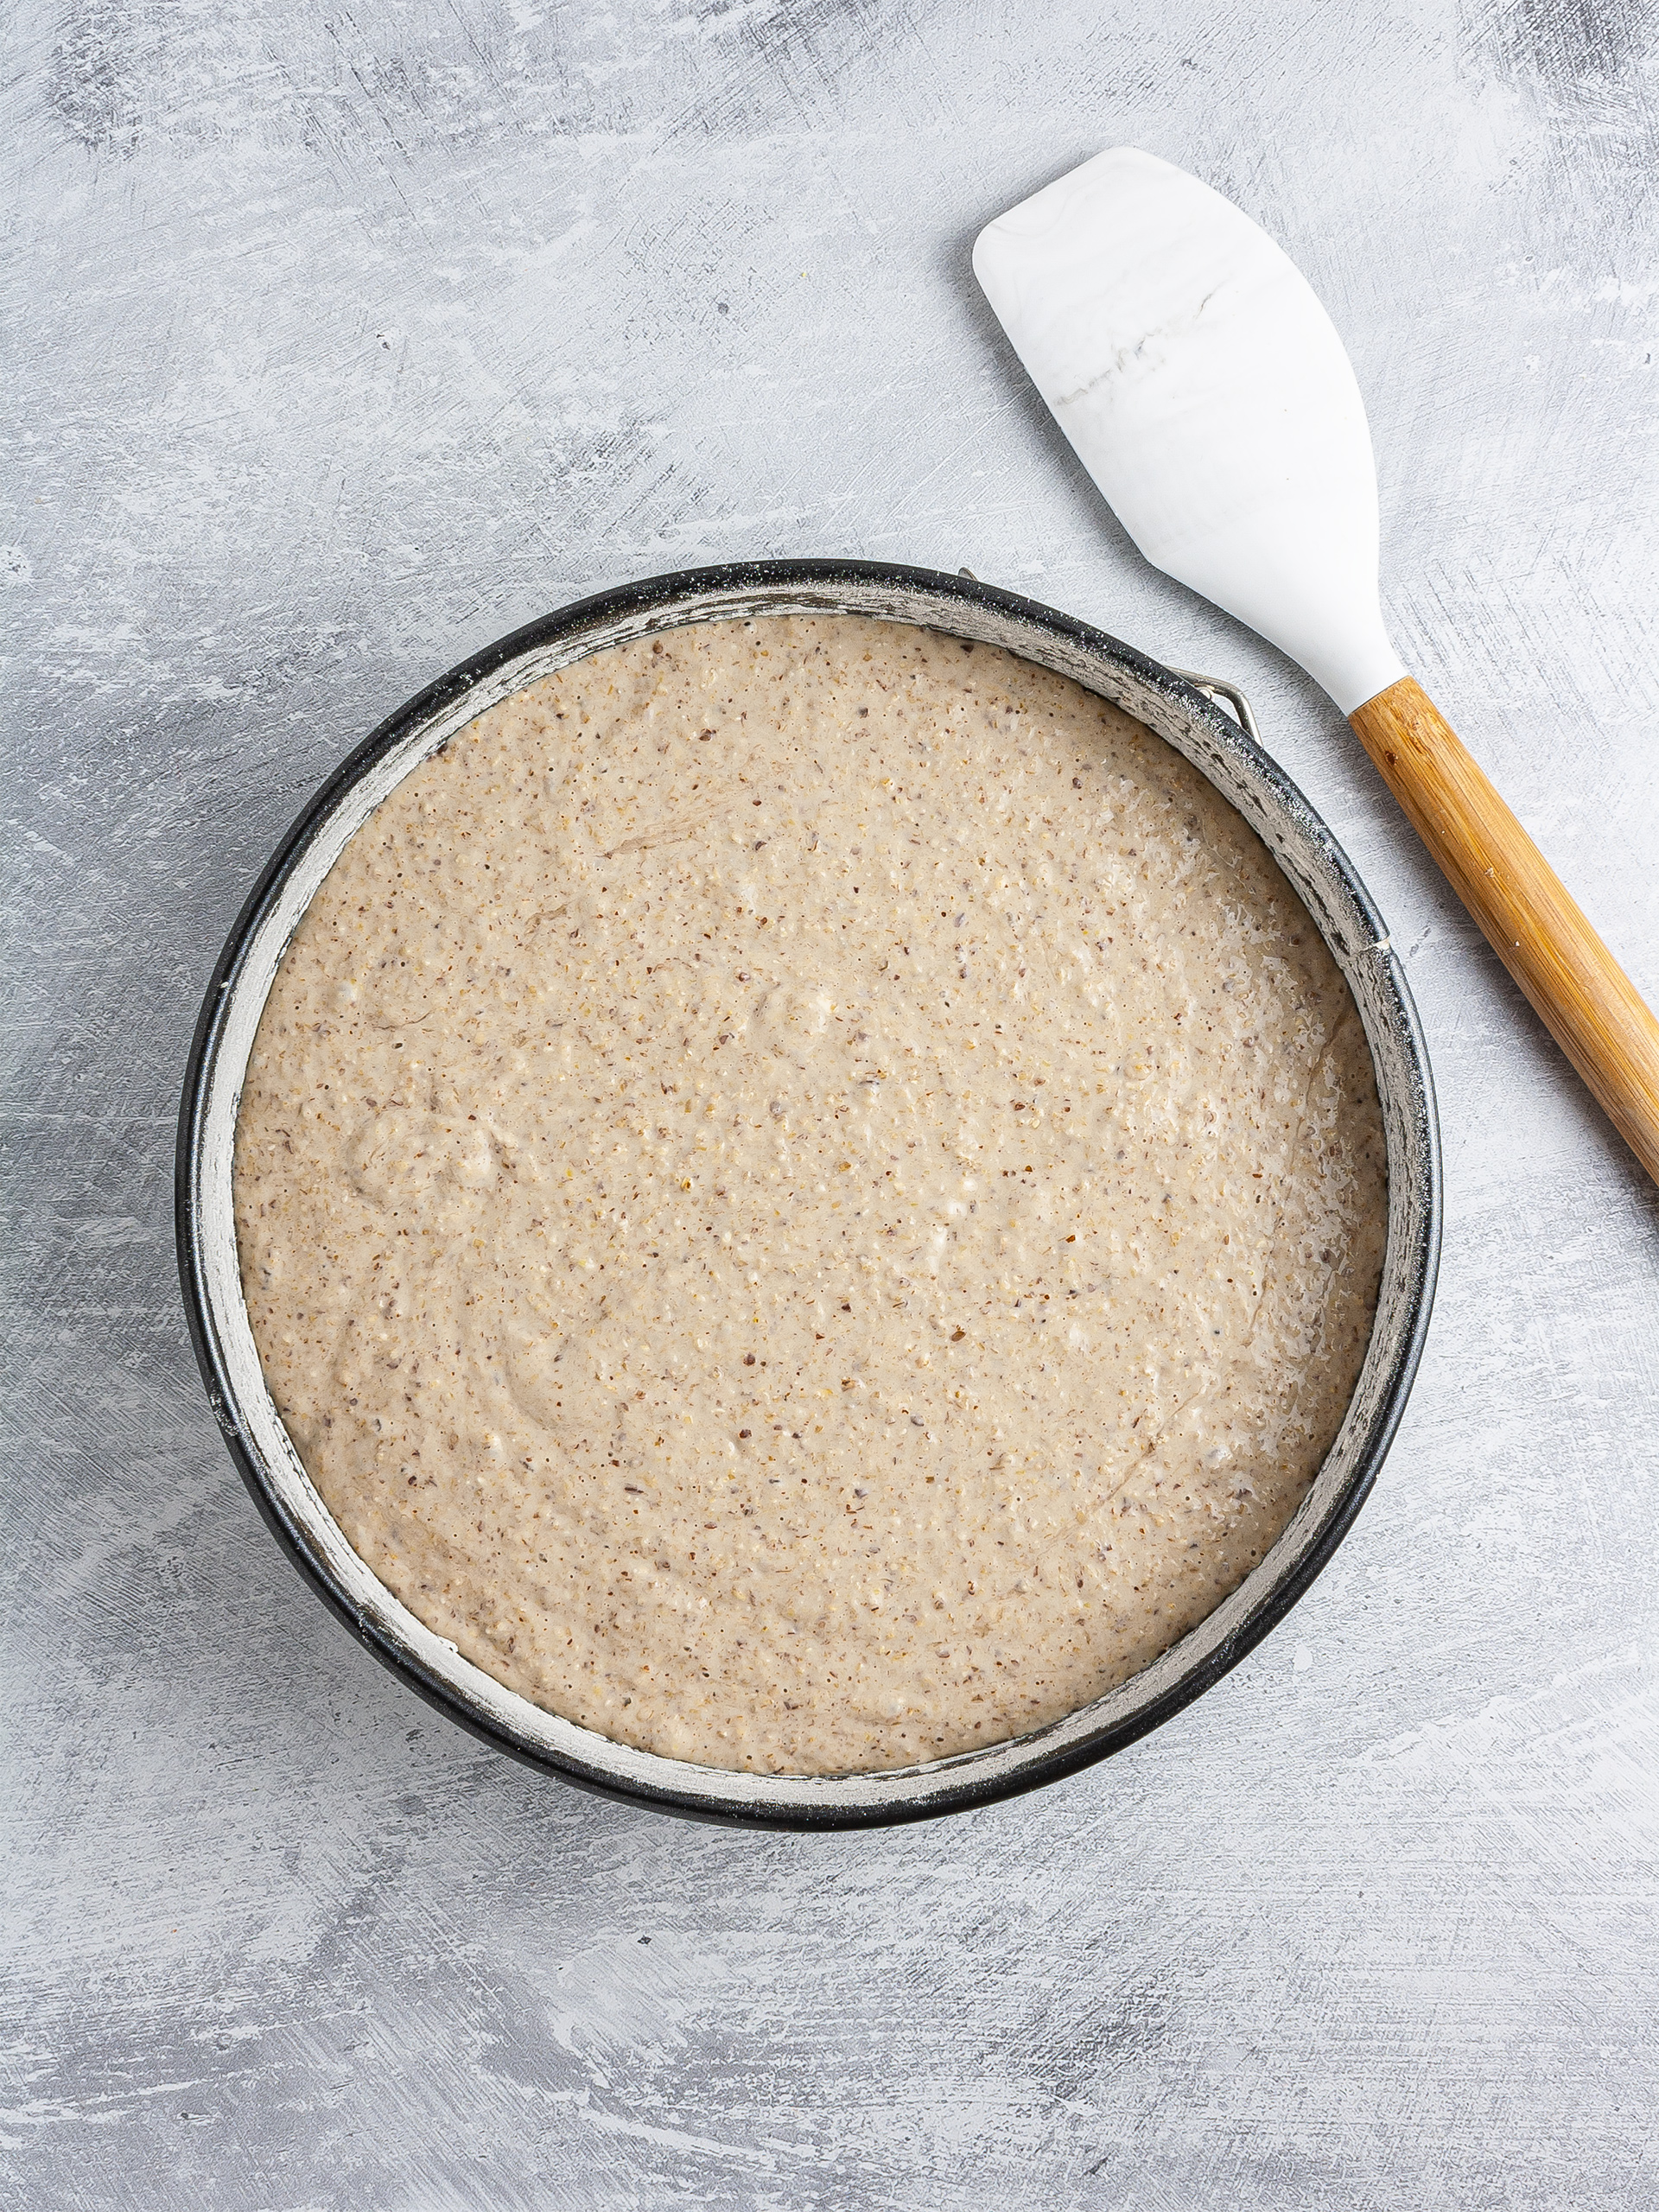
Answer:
(809, 1195)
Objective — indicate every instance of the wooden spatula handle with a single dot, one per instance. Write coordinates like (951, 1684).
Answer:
(1588, 1002)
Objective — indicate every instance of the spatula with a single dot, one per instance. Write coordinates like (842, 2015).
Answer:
(1209, 395)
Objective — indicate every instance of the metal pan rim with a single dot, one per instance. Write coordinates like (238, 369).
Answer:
(1336, 900)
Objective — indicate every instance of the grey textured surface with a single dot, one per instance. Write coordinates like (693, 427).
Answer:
(341, 341)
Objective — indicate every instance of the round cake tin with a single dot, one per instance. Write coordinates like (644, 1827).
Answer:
(1166, 701)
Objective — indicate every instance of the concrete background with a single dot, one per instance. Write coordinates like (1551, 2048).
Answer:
(344, 338)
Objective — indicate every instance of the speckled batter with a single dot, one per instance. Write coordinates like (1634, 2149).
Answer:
(809, 1195)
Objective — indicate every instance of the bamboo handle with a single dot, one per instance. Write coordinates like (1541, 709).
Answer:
(1585, 999)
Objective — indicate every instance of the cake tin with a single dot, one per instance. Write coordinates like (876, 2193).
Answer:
(1170, 703)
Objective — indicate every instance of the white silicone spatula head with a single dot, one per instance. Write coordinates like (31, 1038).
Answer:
(1208, 396)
